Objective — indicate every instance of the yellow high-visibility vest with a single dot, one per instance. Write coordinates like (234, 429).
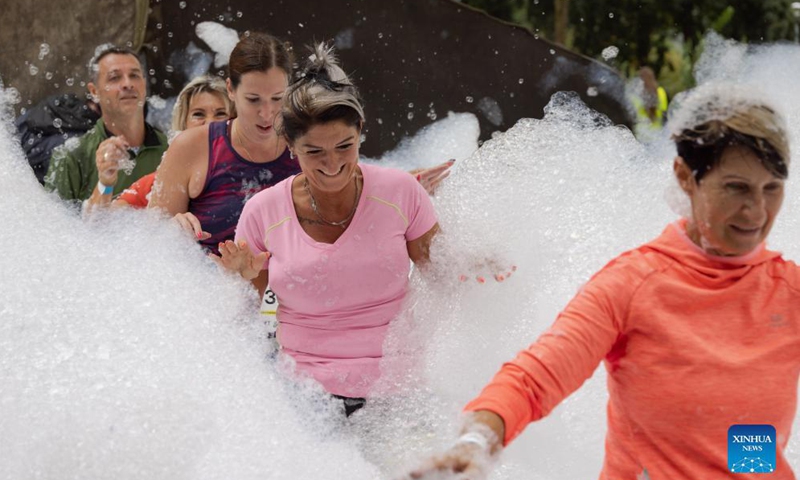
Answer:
(661, 109)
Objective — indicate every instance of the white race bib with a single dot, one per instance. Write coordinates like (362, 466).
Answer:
(269, 311)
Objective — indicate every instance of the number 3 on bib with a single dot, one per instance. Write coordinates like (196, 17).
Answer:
(269, 309)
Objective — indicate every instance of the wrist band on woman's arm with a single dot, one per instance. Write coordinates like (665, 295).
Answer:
(474, 438)
(104, 189)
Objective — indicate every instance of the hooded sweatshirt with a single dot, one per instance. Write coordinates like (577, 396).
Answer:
(692, 344)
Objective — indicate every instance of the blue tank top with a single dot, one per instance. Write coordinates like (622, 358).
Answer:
(230, 182)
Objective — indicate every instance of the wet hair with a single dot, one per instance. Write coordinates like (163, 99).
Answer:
(201, 84)
(717, 118)
(101, 52)
(258, 52)
(321, 93)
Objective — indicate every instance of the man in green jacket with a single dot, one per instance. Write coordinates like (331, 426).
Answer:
(122, 147)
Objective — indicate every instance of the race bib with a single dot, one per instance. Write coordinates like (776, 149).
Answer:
(269, 310)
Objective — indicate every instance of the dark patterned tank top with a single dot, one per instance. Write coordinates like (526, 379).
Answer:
(230, 182)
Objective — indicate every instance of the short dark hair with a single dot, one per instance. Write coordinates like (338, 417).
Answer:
(702, 147)
(711, 118)
(103, 51)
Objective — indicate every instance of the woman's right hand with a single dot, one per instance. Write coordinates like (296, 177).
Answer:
(191, 224)
(473, 454)
(239, 258)
(463, 461)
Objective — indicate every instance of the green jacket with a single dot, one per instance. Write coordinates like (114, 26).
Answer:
(73, 171)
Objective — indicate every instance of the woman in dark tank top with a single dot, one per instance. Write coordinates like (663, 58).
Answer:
(208, 173)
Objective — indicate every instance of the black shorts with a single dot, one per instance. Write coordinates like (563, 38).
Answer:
(351, 405)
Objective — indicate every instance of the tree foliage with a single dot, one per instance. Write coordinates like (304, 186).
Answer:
(664, 34)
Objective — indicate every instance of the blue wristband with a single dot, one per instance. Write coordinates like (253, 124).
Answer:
(104, 189)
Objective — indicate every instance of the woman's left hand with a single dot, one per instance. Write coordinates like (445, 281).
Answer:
(239, 258)
(430, 178)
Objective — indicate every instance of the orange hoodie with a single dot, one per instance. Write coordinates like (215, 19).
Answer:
(692, 344)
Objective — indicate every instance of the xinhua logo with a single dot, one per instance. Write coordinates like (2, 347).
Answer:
(751, 449)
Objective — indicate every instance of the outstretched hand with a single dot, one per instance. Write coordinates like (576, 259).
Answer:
(239, 258)
(472, 455)
(463, 461)
(191, 224)
(430, 178)
(489, 269)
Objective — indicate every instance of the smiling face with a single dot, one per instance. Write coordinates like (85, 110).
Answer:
(328, 155)
(206, 107)
(120, 87)
(258, 102)
(735, 204)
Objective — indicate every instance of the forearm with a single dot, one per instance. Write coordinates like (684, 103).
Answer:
(487, 424)
(260, 283)
(98, 199)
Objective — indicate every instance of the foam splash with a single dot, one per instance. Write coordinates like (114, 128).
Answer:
(221, 39)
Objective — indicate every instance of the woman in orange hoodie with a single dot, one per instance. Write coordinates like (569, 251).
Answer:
(679, 322)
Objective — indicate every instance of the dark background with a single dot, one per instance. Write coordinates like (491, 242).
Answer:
(413, 60)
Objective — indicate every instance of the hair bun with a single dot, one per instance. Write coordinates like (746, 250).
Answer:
(323, 65)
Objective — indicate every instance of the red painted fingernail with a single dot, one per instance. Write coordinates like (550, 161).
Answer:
(481, 279)
(499, 277)
(463, 278)
(419, 177)
(200, 235)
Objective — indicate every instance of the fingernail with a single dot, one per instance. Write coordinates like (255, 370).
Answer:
(513, 268)
(499, 277)
(419, 177)
(481, 279)
(199, 235)
(463, 278)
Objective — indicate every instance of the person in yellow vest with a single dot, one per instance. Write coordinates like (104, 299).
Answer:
(651, 107)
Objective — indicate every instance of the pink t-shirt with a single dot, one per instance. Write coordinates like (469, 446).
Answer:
(336, 300)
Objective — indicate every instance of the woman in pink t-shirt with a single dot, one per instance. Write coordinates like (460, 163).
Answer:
(334, 242)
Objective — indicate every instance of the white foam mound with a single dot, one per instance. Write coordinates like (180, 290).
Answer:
(454, 136)
(715, 101)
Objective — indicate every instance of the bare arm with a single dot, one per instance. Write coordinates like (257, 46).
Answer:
(472, 454)
(261, 282)
(486, 419)
(419, 250)
(182, 172)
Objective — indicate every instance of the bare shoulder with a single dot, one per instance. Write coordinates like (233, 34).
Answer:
(189, 147)
(183, 169)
